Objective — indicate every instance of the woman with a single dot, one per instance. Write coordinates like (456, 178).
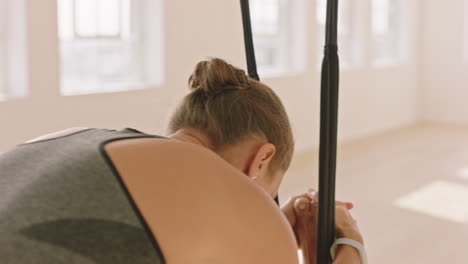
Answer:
(202, 195)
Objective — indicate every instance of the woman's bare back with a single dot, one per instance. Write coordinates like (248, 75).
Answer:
(200, 208)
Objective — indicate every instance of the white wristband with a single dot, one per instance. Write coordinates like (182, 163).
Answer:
(350, 242)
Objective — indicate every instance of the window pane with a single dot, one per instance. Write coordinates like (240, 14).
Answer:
(2, 50)
(266, 17)
(105, 46)
(13, 78)
(466, 31)
(97, 17)
(389, 32)
(65, 19)
(381, 17)
(279, 29)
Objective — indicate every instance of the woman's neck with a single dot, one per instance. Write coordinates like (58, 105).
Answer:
(194, 136)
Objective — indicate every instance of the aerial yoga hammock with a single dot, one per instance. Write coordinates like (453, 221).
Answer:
(328, 127)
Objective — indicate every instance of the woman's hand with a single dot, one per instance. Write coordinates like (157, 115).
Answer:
(346, 226)
(311, 195)
(288, 207)
(301, 212)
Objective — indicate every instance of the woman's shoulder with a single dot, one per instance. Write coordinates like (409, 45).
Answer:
(58, 134)
(164, 149)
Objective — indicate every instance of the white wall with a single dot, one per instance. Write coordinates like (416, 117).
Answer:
(444, 71)
(372, 100)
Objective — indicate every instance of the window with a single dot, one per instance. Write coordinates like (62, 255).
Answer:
(279, 35)
(109, 45)
(466, 31)
(3, 51)
(350, 31)
(389, 27)
(12, 49)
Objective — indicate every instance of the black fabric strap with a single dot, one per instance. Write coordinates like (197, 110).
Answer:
(248, 40)
(328, 137)
(249, 47)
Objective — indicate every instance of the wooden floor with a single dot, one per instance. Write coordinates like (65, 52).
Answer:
(410, 188)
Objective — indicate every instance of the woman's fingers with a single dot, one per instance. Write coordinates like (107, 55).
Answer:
(305, 230)
(302, 210)
(313, 195)
(346, 225)
(302, 206)
(310, 196)
(305, 209)
(347, 205)
(307, 195)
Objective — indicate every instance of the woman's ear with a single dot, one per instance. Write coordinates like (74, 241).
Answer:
(261, 160)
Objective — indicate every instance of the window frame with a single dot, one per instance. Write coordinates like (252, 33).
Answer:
(13, 50)
(361, 35)
(288, 42)
(134, 38)
(354, 36)
(400, 35)
(3, 50)
(465, 31)
(77, 35)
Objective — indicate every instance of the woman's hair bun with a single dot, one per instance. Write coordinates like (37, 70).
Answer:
(215, 76)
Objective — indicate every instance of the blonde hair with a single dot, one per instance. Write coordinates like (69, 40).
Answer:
(229, 106)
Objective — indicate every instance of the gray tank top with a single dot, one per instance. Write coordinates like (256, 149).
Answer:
(62, 201)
